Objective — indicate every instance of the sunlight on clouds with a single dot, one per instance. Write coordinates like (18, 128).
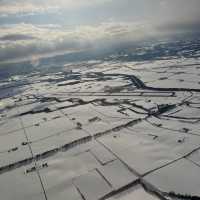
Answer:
(25, 7)
(90, 24)
(43, 40)
(42, 6)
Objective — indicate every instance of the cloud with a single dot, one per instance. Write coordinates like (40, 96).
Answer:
(180, 27)
(14, 37)
(179, 11)
(90, 27)
(13, 7)
(26, 41)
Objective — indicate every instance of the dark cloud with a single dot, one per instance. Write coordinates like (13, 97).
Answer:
(180, 27)
(15, 37)
(25, 40)
(89, 24)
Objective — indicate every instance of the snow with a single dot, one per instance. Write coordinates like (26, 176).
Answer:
(92, 186)
(102, 130)
(18, 185)
(117, 174)
(181, 177)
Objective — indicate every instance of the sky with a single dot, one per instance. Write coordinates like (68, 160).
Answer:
(31, 29)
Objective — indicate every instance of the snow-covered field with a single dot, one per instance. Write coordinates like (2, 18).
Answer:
(102, 130)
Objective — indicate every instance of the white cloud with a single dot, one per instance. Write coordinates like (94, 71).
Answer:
(163, 3)
(24, 7)
(43, 6)
(43, 40)
(26, 40)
